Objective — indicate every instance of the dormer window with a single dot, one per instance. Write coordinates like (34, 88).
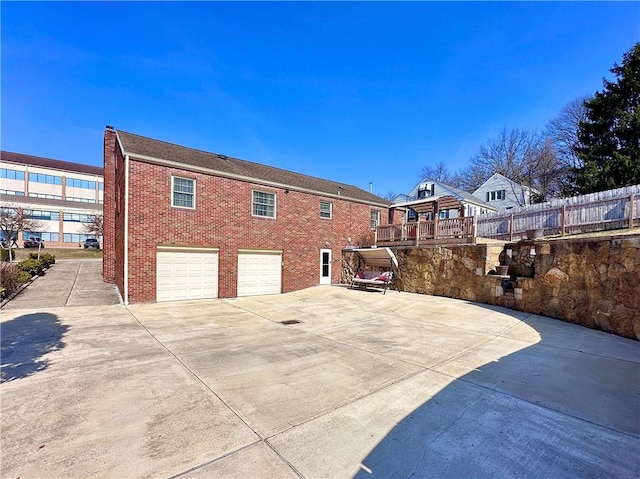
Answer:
(426, 189)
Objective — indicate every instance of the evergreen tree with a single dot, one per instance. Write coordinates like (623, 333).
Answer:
(609, 137)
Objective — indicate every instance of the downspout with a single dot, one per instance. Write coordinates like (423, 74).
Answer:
(126, 230)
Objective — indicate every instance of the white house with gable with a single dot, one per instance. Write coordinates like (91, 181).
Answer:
(502, 193)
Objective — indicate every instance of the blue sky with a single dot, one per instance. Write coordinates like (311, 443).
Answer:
(354, 92)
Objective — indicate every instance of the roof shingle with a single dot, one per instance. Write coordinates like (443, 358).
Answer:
(136, 145)
(50, 163)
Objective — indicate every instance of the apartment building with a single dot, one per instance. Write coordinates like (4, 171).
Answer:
(62, 196)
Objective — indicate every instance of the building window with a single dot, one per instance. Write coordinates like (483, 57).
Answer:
(78, 218)
(11, 174)
(75, 238)
(80, 200)
(44, 236)
(375, 219)
(100, 186)
(44, 215)
(182, 192)
(12, 192)
(42, 195)
(263, 204)
(42, 178)
(325, 209)
(427, 189)
(76, 183)
(496, 195)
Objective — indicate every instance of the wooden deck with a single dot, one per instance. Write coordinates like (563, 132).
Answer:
(439, 231)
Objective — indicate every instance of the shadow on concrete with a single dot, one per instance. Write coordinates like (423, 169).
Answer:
(567, 406)
(24, 342)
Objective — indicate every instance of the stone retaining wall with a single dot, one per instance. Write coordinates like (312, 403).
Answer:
(593, 282)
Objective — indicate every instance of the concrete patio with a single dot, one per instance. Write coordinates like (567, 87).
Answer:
(365, 385)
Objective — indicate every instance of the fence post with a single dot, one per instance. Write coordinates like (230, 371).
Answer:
(563, 220)
(473, 229)
(631, 208)
(418, 230)
(511, 227)
(435, 226)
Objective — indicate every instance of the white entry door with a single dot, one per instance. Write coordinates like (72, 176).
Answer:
(259, 272)
(185, 273)
(325, 266)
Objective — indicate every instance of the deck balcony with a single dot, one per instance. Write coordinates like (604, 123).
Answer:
(438, 231)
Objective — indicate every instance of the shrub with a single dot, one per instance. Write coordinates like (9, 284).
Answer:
(47, 259)
(4, 254)
(9, 277)
(23, 277)
(32, 266)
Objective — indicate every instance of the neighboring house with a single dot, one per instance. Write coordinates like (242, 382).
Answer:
(181, 223)
(62, 196)
(503, 193)
(430, 198)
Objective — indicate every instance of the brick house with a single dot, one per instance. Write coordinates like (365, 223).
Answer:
(181, 223)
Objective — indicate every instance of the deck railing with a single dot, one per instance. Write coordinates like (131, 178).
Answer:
(423, 232)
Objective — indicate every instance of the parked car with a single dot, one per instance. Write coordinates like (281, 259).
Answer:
(33, 242)
(91, 243)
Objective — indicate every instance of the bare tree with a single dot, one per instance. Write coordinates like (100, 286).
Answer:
(13, 220)
(523, 156)
(94, 227)
(563, 130)
(438, 173)
(548, 173)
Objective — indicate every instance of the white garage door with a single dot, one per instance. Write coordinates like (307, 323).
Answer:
(186, 274)
(259, 272)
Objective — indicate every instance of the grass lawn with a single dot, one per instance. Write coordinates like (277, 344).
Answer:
(60, 253)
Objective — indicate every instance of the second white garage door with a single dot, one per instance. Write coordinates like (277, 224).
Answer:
(186, 274)
(259, 272)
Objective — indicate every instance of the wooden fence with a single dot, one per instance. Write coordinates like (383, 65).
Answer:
(607, 210)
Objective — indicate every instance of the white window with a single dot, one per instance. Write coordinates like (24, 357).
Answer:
(496, 195)
(263, 204)
(325, 209)
(375, 219)
(183, 192)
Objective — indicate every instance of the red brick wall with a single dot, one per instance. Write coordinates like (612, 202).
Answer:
(113, 211)
(222, 219)
(108, 209)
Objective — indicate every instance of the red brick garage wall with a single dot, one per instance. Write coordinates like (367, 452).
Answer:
(222, 219)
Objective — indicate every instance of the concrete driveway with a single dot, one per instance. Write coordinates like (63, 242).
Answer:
(364, 385)
(67, 283)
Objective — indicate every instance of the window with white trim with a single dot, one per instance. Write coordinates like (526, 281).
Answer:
(263, 204)
(326, 209)
(496, 195)
(375, 219)
(183, 192)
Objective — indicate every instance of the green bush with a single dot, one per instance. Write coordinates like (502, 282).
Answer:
(47, 258)
(32, 266)
(4, 254)
(23, 277)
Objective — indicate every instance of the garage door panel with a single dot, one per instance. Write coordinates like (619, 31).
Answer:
(186, 275)
(259, 273)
